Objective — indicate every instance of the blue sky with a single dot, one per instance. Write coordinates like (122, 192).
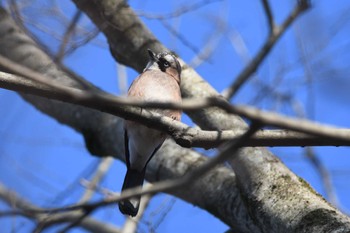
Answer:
(40, 158)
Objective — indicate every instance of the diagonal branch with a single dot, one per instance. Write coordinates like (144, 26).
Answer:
(99, 174)
(21, 206)
(67, 35)
(274, 36)
(324, 175)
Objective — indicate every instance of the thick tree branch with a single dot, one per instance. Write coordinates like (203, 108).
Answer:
(67, 36)
(286, 203)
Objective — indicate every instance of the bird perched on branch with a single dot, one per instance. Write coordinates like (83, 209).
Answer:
(160, 81)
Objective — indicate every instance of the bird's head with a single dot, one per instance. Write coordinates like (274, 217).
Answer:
(165, 62)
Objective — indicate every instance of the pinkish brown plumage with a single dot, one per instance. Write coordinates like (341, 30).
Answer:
(160, 81)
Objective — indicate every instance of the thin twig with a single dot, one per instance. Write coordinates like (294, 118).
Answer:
(162, 210)
(98, 176)
(21, 206)
(67, 35)
(92, 34)
(309, 151)
(100, 172)
(211, 44)
(178, 12)
(269, 15)
(181, 37)
(276, 34)
(324, 174)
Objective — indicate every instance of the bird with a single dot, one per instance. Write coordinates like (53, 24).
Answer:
(159, 81)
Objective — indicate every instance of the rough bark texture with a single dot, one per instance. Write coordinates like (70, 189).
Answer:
(280, 201)
(274, 199)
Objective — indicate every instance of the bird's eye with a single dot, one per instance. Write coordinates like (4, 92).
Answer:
(166, 63)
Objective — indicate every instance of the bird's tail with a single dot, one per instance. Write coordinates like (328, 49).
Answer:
(133, 178)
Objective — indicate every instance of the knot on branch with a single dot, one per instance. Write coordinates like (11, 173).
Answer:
(184, 140)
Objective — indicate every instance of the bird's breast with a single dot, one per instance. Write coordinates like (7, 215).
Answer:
(155, 85)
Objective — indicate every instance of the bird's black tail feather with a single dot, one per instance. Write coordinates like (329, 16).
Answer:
(133, 178)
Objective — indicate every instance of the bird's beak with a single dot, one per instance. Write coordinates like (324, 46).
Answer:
(152, 55)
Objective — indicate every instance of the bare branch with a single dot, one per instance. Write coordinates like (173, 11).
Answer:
(181, 37)
(269, 15)
(67, 35)
(21, 206)
(88, 37)
(76, 222)
(183, 134)
(277, 32)
(100, 172)
(211, 44)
